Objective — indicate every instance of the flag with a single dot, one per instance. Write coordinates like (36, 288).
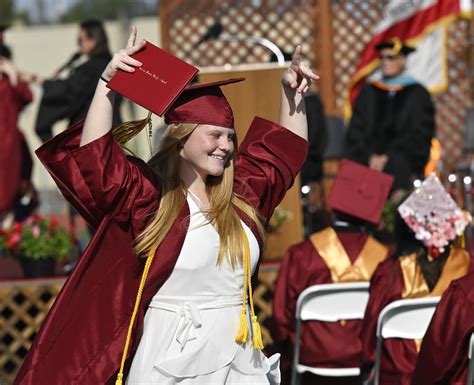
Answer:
(421, 24)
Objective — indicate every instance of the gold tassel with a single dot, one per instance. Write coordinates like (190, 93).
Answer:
(127, 130)
(462, 241)
(257, 341)
(119, 379)
(243, 333)
(257, 334)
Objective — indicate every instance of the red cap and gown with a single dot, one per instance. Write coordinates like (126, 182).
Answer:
(330, 256)
(443, 357)
(82, 339)
(13, 99)
(403, 277)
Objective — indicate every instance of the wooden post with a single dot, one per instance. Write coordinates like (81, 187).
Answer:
(163, 11)
(326, 58)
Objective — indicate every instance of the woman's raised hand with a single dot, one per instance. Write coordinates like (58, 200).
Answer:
(122, 60)
(298, 76)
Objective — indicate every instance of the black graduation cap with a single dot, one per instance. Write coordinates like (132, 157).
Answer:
(398, 46)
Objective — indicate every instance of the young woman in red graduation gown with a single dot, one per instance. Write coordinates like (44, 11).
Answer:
(443, 358)
(15, 94)
(141, 210)
(411, 273)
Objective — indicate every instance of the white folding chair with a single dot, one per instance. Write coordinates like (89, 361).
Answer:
(470, 367)
(328, 303)
(406, 318)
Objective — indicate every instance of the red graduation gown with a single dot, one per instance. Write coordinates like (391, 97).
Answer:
(325, 344)
(443, 355)
(399, 356)
(11, 101)
(81, 340)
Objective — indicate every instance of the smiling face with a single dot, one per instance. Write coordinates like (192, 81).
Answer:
(207, 150)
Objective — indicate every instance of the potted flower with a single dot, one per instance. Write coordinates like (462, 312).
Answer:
(37, 242)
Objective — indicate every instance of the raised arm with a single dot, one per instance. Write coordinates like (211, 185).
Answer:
(295, 81)
(99, 117)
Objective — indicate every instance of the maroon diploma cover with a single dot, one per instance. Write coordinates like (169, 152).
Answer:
(157, 83)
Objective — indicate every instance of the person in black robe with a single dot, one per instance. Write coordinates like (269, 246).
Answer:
(393, 121)
(70, 98)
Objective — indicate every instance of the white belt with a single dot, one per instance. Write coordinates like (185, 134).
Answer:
(189, 315)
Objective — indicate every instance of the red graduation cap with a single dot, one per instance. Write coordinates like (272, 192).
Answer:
(203, 104)
(360, 191)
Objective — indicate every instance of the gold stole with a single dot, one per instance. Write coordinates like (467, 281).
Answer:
(415, 286)
(331, 250)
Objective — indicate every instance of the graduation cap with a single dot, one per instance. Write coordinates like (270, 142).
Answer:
(396, 45)
(203, 104)
(360, 191)
(433, 215)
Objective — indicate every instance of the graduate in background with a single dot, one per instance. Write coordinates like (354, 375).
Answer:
(335, 254)
(443, 358)
(393, 120)
(69, 98)
(424, 264)
(15, 159)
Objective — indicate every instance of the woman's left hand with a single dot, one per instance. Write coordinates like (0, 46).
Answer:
(298, 76)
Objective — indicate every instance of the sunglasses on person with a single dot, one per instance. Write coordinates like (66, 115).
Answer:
(389, 57)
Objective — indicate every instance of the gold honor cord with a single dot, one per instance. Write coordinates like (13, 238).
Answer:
(149, 259)
(242, 334)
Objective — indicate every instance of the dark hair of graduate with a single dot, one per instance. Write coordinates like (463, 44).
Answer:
(95, 29)
(405, 240)
(5, 51)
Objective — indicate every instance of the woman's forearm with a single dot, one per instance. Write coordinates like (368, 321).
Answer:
(293, 112)
(99, 117)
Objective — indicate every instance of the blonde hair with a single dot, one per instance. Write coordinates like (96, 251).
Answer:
(222, 213)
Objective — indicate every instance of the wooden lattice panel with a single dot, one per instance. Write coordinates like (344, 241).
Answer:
(23, 308)
(352, 24)
(452, 105)
(285, 23)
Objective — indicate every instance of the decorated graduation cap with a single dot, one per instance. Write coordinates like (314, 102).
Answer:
(360, 191)
(396, 45)
(433, 215)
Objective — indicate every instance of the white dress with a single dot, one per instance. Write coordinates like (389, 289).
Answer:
(192, 321)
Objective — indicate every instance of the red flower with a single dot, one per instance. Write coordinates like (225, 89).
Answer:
(17, 227)
(13, 240)
(434, 252)
(53, 223)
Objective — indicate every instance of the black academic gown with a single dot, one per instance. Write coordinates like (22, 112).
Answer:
(70, 98)
(397, 123)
